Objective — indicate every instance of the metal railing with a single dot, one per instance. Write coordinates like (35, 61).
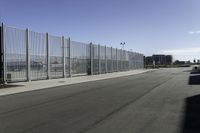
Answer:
(28, 55)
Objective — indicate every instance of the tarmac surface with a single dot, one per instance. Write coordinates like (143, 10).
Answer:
(18, 87)
(162, 101)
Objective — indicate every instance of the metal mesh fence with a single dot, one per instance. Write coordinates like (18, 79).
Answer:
(135, 60)
(119, 58)
(103, 59)
(109, 59)
(131, 60)
(137, 63)
(95, 54)
(32, 55)
(56, 56)
(122, 60)
(67, 57)
(38, 55)
(114, 59)
(16, 65)
(141, 60)
(126, 60)
(80, 57)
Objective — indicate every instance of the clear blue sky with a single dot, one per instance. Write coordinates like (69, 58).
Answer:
(147, 26)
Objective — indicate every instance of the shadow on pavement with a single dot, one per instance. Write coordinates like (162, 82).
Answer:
(194, 78)
(195, 72)
(191, 121)
(3, 86)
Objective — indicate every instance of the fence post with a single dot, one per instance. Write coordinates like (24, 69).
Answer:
(69, 57)
(129, 59)
(143, 61)
(117, 58)
(106, 65)
(63, 55)
(91, 59)
(111, 59)
(136, 61)
(120, 60)
(123, 68)
(27, 56)
(132, 67)
(99, 58)
(1, 59)
(48, 57)
(3, 53)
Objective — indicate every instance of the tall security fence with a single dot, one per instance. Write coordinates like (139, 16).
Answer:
(27, 55)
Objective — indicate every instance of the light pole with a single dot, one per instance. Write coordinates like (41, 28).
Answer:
(122, 64)
(122, 43)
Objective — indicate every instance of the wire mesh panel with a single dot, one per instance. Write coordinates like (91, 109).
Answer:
(120, 59)
(80, 58)
(126, 61)
(56, 59)
(114, 59)
(95, 55)
(131, 61)
(109, 59)
(15, 42)
(67, 48)
(38, 55)
(137, 61)
(103, 59)
(141, 61)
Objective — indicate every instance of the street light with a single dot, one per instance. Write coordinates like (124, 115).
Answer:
(122, 43)
(123, 54)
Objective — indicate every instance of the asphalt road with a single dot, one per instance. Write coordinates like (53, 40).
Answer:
(163, 101)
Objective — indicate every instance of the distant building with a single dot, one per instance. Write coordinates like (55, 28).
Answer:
(169, 59)
(177, 62)
(149, 60)
(159, 60)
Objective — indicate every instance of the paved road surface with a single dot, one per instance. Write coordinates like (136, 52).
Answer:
(163, 101)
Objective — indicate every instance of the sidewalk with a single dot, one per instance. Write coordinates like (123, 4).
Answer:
(42, 84)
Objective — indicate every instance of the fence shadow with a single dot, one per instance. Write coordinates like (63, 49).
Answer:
(194, 78)
(195, 72)
(3, 86)
(191, 120)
